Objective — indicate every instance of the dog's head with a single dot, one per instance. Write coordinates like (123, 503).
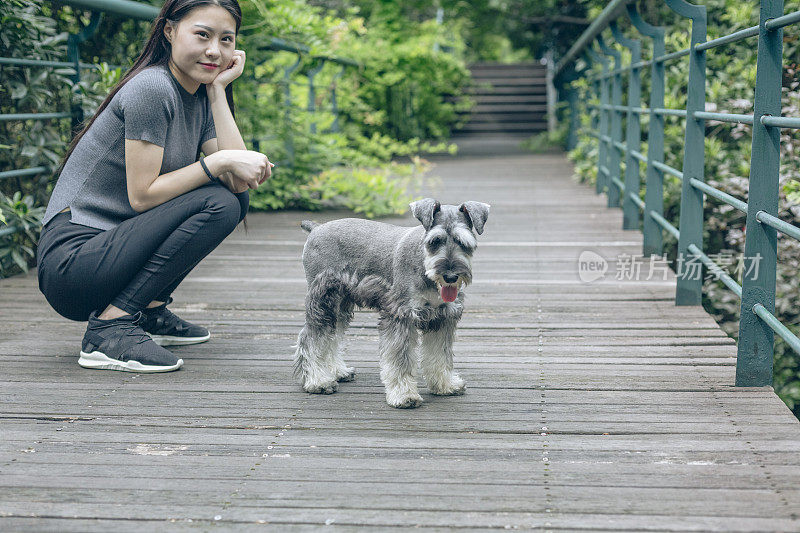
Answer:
(449, 241)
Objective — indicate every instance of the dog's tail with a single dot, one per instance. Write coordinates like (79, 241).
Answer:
(308, 225)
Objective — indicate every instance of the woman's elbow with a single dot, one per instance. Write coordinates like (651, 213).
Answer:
(140, 205)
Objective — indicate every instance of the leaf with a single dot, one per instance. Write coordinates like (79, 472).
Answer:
(18, 259)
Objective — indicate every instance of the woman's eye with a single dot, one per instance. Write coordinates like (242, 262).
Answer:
(204, 34)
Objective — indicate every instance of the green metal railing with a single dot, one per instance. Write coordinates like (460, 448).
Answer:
(318, 63)
(138, 11)
(757, 325)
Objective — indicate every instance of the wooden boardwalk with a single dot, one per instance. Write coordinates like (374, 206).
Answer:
(598, 406)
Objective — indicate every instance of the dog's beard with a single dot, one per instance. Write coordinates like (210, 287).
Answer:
(448, 292)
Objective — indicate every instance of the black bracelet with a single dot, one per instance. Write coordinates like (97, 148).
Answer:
(208, 172)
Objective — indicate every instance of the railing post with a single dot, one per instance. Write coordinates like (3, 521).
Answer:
(756, 338)
(614, 159)
(654, 179)
(603, 114)
(633, 131)
(287, 94)
(334, 105)
(565, 82)
(550, 90)
(592, 92)
(690, 286)
(574, 116)
(312, 94)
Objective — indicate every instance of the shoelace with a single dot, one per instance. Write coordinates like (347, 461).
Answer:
(131, 328)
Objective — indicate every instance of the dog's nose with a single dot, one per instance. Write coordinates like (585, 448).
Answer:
(450, 279)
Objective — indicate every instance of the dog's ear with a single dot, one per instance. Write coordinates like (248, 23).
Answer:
(424, 210)
(476, 213)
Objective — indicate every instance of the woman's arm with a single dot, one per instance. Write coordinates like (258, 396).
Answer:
(228, 136)
(147, 189)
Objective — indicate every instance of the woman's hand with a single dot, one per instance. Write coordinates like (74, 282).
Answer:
(245, 169)
(232, 71)
(235, 185)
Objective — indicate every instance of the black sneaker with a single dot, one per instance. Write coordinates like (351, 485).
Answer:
(168, 329)
(121, 344)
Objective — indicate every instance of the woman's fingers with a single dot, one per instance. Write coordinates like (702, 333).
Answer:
(266, 173)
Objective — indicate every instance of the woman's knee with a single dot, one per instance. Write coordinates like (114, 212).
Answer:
(225, 205)
(62, 297)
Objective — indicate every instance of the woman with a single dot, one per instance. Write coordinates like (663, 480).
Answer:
(134, 211)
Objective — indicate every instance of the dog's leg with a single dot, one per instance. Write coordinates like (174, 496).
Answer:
(317, 339)
(313, 350)
(339, 368)
(398, 343)
(436, 355)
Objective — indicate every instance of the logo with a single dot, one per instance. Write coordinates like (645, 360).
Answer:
(591, 266)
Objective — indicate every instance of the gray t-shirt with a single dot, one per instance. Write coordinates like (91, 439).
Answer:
(152, 106)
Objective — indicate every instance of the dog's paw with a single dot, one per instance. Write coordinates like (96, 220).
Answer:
(328, 387)
(455, 387)
(405, 402)
(349, 374)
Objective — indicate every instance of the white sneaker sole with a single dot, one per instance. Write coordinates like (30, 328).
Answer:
(167, 340)
(100, 361)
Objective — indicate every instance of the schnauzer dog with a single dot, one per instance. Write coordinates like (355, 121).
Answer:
(411, 275)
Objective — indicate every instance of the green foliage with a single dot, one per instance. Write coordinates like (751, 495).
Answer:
(385, 192)
(547, 141)
(731, 71)
(500, 30)
(404, 91)
(401, 101)
(27, 33)
(17, 249)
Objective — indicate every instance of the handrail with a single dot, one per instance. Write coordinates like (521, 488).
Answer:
(633, 133)
(612, 11)
(125, 8)
(758, 324)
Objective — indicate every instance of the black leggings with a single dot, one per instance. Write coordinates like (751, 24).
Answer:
(144, 258)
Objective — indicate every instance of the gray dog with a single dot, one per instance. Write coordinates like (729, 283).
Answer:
(410, 275)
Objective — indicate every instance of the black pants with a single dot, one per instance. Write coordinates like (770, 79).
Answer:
(144, 258)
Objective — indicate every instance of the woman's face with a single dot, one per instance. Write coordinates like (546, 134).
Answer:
(205, 36)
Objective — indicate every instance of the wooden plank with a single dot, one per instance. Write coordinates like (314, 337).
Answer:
(598, 406)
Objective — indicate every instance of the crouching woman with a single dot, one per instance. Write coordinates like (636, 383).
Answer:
(133, 210)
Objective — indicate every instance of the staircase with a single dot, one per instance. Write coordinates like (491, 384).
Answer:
(510, 101)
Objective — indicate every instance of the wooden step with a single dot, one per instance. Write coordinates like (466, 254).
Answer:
(505, 127)
(506, 99)
(508, 108)
(509, 81)
(508, 117)
(509, 98)
(522, 89)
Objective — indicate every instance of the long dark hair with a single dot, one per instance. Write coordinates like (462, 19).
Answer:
(157, 52)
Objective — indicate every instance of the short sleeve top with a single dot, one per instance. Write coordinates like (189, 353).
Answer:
(152, 106)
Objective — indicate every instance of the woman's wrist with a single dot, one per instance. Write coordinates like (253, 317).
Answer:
(217, 163)
(214, 91)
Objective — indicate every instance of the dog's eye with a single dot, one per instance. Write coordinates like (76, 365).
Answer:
(435, 243)
(463, 246)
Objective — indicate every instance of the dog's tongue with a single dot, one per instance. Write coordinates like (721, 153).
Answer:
(449, 293)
